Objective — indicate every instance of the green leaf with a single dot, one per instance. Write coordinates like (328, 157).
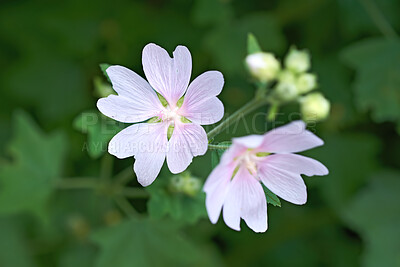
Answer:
(13, 244)
(27, 182)
(104, 67)
(272, 198)
(166, 201)
(252, 44)
(146, 243)
(377, 81)
(216, 154)
(375, 214)
(99, 129)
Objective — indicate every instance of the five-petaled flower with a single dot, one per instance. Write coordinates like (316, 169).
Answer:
(150, 140)
(235, 183)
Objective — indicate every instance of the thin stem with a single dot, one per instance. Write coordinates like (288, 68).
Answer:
(125, 206)
(217, 147)
(272, 111)
(134, 192)
(124, 176)
(107, 163)
(247, 108)
(379, 19)
(78, 183)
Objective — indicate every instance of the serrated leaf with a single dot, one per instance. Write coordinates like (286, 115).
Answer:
(99, 130)
(272, 198)
(27, 182)
(181, 207)
(104, 67)
(377, 82)
(146, 243)
(252, 44)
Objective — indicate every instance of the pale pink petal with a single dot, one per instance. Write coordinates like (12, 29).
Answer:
(245, 199)
(287, 185)
(200, 104)
(233, 152)
(290, 138)
(296, 164)
(254, 203)
(124, 109)
(187, 141)
(216, 187)
(249, 141)
(168, 76)
(136, 100)
(151, 155)
(147, 142)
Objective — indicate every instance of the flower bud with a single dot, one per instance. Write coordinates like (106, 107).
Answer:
(297, 60)
(287, 76)
(306, 82)
(101, 88)
(286, 91)
(263, 66)
(185, 183)
(192, 186)
(314, 107)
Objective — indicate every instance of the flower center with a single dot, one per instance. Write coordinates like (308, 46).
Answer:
(169, 114)
(249, 160)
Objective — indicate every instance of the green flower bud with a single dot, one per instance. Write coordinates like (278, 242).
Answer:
(102, 89)
(297, 60)
(185, 183)
(263, 66)
(306, 82)
(191, 186)
(314, 107)
(286, 91)
(287, 76)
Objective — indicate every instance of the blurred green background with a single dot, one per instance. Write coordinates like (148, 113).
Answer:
(49, 56)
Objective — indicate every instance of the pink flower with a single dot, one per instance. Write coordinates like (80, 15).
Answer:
(137, 101)
(235, 183)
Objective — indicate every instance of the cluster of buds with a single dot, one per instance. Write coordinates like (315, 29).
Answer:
(292, 82)
(185, 183)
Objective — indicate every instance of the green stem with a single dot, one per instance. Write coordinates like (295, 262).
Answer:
(125, 176)
(272, 112)
(217, 147)
(379, 19)
(106, 168)
(77, 183)
(125, 206)
(249, 107)
(134, 192)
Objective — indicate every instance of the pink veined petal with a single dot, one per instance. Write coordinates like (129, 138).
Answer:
(290, 138)
(147, 142)
(249, 141)
(296, 164)
(245, 199)
(216, 187)
(233, 152)
(287, 185)
(123, 109)
(151, 155)
(187, 141)
(168, 76)
(200, 104)
(136, 100)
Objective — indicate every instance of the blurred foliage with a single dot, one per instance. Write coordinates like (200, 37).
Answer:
(49, 56)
